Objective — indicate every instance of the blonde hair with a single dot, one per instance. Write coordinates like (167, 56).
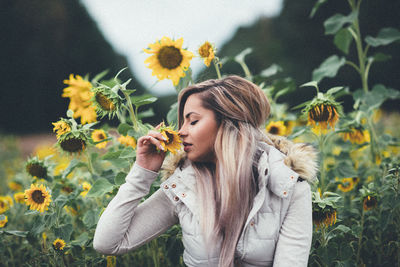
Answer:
(227, 189)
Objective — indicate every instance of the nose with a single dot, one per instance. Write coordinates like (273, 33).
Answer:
(182, 132)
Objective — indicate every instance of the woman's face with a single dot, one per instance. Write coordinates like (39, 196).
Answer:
(198, 131)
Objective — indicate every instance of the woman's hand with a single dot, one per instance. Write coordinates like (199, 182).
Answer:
(150, 154)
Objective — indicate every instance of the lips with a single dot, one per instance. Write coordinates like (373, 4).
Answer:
(186, 146)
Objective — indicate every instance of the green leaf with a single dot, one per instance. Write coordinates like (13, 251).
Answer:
(337, 21)
(64, 232)
(343, 39)
(310, 84)
(99, 76)
(128, 92)
(172, 116)
(112, 155)
(15, 232)
(342, 228)
(316, 7)
(345, 169)
(185, 80)
(271, 71)
(72, 165)
(100, 187)
(70, 113)
(385, 36)
(328, 68)
(139, 101)
(80, 240)
(381, 57)
(90, 218)
(146, 114)
(123, 128)
(334, 90)
(119, 179)
(128, 152)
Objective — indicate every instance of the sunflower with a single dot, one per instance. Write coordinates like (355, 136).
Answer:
(3, 222)
(173, 142)
(107, 100)
(5, 203)
(111, 261)
(80, 98)
(14, 186)
(58, 244)
(86, 187)
(346, 184)
(276, 128)
(37, 168)
(207, 52)
(168, 59)
(19, 197)
(127, 141)
(357, 135)
(323, 114)
(61, 127)
(98, 136)
(71, 210)
(73, 144)
(369, 202)
(324, 217)
(37, 197)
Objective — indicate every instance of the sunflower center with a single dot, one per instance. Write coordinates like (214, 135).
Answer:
(170, 138)
(105, 102)
(169, 57)
(36, 169)
(274, 130)
(101, 136)
(322, 113)
(73, 145)
(37, 197)
(58, 245)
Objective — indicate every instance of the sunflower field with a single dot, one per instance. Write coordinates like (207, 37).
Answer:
(50, 203)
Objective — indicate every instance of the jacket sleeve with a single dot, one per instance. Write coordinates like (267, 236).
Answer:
(125, 225)
(294, 243)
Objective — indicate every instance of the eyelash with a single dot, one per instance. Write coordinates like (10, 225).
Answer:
(194, 122)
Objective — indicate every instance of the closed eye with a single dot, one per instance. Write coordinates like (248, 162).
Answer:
(194, 122)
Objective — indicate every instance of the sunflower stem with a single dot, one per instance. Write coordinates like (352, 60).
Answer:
(131, 112)
(90, 165)
(360, 237)
(217, 69)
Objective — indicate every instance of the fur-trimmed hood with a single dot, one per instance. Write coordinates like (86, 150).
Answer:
(300, 157)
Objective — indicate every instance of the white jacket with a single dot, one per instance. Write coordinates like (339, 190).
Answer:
(278, 230)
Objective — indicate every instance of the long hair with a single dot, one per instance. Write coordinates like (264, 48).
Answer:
(227, 189)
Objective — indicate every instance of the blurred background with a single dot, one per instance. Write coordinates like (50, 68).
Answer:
(44, 41)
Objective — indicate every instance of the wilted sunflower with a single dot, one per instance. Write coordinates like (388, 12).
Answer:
(61, 127)
(370, 202)
(173, 142)
(323, 114)
(276, 128)
(86, 187)
(127, 141)
(99, 135)
(3, 222)
(346, 184)
(38, 198)
(19, 197)
(357, 135)
(37, 168)
(168, 59)
(107, 100)
(207, 52)
(324, 217)
(80, 98)
(73, 144)
(59, 244)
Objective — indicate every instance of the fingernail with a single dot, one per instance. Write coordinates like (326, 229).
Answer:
(164, 138)
(162, 148)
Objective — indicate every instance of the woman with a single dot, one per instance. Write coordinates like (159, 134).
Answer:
(239, 200)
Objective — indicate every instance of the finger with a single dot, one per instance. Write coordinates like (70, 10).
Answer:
(159, 126)
(151, 140)
(157, 135)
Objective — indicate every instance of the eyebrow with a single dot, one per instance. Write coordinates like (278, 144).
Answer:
(190, 113)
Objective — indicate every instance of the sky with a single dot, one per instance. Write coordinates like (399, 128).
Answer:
(130, 26)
